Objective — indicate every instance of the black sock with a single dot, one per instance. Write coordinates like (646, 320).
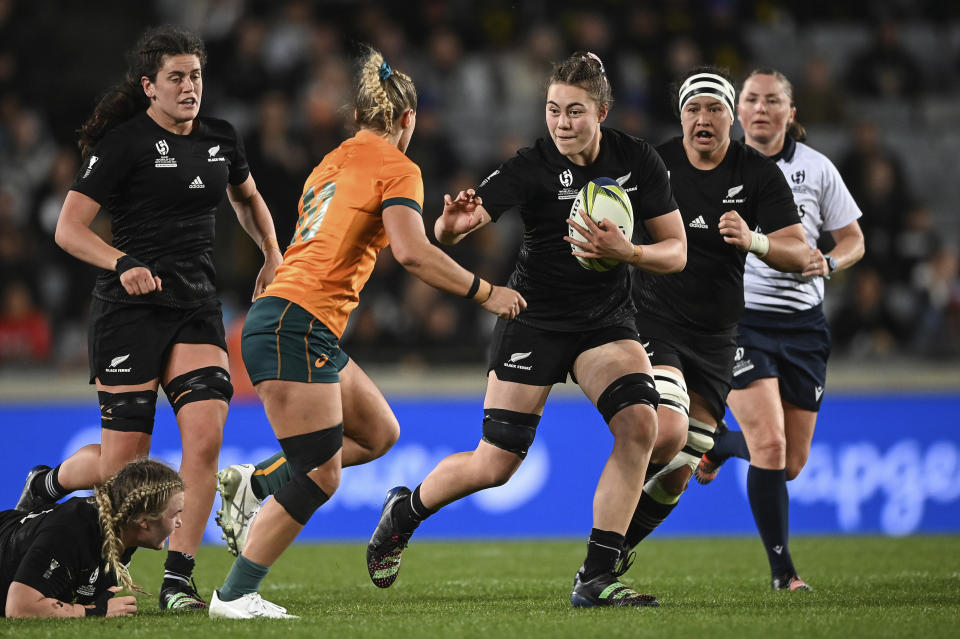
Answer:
(603, 552)
(409, 513)
(729, 444)
(47, 484)
(649, 514)
(178, 568)
(767, 490)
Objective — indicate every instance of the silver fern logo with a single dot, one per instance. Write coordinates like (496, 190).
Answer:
(516, 357)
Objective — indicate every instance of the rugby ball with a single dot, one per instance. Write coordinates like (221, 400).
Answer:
(601, 198)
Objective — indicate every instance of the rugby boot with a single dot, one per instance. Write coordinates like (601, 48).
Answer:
(238, 505)
(789, 582)
(29, 499)
(387, 542)
(181, 597)
(606, 590)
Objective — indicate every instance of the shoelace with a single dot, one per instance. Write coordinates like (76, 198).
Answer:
(260, 607)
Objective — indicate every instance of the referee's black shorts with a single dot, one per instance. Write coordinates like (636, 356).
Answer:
(130, 343)
(705, 359)
(792, 347)
(539, 357)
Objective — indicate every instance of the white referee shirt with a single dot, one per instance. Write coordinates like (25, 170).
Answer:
(824, 204)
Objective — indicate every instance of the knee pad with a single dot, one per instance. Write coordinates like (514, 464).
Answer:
(673, 391)
(633, 388)
(301, 496)
(211, 382)
(509, 430)
(130, 412)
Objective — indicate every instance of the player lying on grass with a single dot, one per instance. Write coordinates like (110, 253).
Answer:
(65, 560)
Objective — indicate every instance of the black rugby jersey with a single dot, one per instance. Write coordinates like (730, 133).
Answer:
(707, 294)
(542, 184)
(55, 550)
(161, 191)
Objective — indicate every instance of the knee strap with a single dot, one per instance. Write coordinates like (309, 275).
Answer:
(211, 382)
(128, 412)
(633, 388)
(310, 450)
(673, 391)
(509, 430)
(699, 441)
(301, 496)
(699, 438)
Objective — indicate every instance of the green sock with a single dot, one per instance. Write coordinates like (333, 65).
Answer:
(244, 578)
(270, 475)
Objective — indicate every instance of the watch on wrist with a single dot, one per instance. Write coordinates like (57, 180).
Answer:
(831, 263)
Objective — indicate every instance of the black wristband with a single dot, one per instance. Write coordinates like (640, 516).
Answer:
(473, 287)
(99, 606)
(125, 263)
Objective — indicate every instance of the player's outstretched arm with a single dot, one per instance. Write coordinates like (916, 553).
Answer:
(461, 216)
(27, 602)
(404, 227)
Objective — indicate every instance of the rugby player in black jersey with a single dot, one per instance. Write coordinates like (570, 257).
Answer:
(160, 171)
(733, 201)
(577, 322)
(65, 560)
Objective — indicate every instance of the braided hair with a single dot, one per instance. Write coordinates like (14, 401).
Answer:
(140, 490)
(382, 93)
(124, 100)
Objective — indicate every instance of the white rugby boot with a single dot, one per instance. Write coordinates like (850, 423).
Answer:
(249, 606)
(239, 505)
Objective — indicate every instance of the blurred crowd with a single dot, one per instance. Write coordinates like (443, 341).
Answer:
(876, 89)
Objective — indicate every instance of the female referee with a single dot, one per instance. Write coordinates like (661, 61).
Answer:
(578, 322)
(65, 560)
(323, 408)
(160, 171)
(783, 342)
(688, 320)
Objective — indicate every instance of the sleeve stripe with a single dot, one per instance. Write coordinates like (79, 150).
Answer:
(402, 201)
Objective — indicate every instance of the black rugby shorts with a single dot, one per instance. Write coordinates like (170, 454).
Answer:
(527, 355)
(705, 359)
(130, 343)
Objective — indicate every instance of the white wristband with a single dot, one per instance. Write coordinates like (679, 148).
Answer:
(759, 244)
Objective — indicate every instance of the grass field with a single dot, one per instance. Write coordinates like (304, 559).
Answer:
(865, 587)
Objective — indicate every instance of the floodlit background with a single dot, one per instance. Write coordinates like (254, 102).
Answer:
(876, 88)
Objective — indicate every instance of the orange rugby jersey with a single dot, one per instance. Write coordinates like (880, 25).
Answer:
(340, 229)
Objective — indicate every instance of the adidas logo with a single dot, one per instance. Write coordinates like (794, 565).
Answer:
(197, 183)
(698, 223)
